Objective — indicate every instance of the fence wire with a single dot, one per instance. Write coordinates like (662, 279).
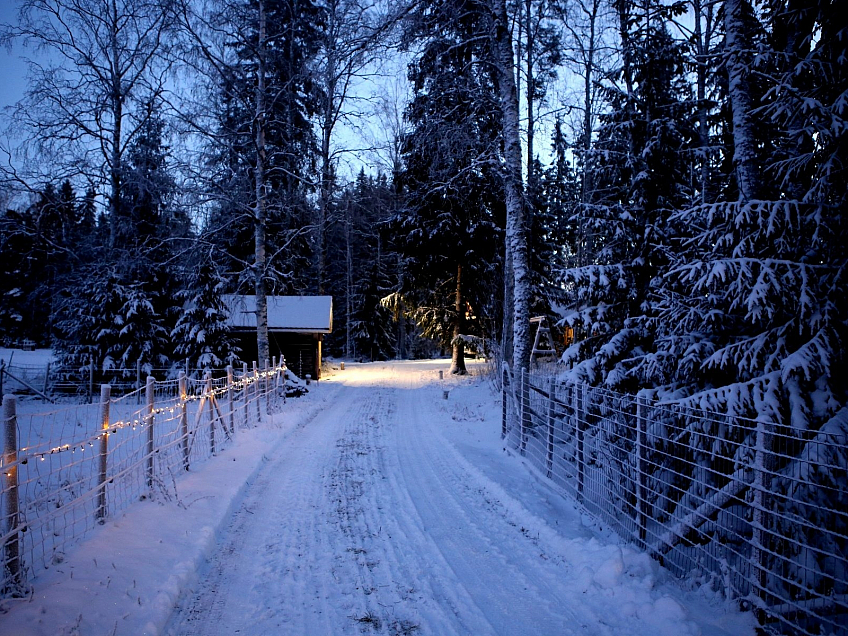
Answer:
(755, 509)
(68, 470)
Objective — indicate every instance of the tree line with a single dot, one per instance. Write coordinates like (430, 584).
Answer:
(665, 180)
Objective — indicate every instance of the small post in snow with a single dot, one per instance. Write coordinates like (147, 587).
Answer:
(148, 421)
(184, 417)
(282, 377)
(105, 401)
(11, 549)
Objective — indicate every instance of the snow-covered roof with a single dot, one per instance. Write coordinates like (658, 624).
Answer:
(299, 314)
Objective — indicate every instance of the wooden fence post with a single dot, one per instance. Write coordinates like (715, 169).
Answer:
(256, 391)
(282, 376)
(525, 408)
(211, 407)
(641, 468)
(150, 393)
(266, 384)
(46, 383)
(12, 548)
(138, 379)
(91, 379)
(504, 398)
(231, 400)
(245, 395)
(184, 417)
(105, 402)
(579, 405)
(550, 418)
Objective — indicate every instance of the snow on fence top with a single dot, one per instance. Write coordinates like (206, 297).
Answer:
(298, 314)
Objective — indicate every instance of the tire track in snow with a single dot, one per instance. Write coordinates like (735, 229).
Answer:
(264, 578)
(362, 524)
(510, 589)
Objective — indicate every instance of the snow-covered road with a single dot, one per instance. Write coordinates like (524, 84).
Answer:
(387, 514)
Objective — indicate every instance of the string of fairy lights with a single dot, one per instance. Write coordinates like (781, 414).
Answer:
(141, 421)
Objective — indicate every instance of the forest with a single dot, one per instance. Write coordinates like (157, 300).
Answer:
(665, 181)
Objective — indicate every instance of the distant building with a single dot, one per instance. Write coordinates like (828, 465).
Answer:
(296, 328)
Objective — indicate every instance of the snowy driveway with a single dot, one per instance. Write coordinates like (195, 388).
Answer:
(368, 520)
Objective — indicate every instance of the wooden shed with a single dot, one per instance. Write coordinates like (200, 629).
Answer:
(296, 328)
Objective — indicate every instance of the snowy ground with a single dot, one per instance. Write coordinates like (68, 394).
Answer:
(374, 506)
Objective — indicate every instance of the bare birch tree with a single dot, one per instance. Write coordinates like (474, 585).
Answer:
(516, 221)
(101, 62)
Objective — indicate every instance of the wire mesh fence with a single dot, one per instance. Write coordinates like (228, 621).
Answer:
(755, 509)
(68, 470)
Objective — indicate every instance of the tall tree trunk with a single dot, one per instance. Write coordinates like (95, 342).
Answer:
(458, 358)
(327, 124)
(516, 221)
(586, 141)
(703, 43)
(738, 49)
(348, 282)
(323, 207)
(117, 133)
(259, 265)
(529, 94)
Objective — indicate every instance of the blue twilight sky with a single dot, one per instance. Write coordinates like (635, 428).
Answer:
(12, 68)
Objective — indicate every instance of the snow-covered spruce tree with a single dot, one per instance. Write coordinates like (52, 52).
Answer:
(371, 323)
(759, 302)
(756, 307)
(142, 333)
(640, 177)
(89, 321)
(450, 182)
(201, 334)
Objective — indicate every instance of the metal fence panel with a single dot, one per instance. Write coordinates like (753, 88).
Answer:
(753, 508)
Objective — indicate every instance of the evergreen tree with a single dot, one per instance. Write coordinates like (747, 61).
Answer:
(290, 100)
(201, 334)
(360, 280)
(451, 180)
(756, 314)
(88, 322)
(641, 176)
